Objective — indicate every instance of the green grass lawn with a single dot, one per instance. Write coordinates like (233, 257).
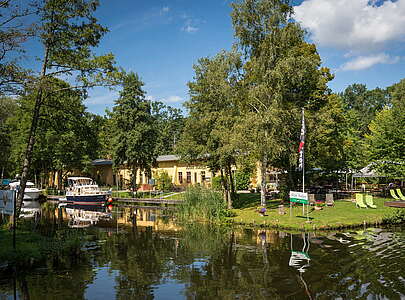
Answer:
(343, 214)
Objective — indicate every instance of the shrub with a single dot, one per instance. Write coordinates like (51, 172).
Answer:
(164, 181)
(217, 183)
(242, 180)
(201, 204)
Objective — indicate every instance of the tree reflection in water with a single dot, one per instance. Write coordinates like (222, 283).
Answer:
(165, 261)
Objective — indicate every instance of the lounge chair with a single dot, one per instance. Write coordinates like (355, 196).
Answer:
(329, 200)
(359, 201)
(311, 198)
(369, 201)
(400, 194)
(392, 192)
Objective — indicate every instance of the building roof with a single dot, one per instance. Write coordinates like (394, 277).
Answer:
(107, 162)
(167, 158)
(102, 162)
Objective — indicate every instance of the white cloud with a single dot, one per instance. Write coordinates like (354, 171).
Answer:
(103, 99)
(353, 25)
(189, 29)
(365, 62)
(170, 99)
(164, 10)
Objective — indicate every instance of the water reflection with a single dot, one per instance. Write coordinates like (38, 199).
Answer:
(150, 257)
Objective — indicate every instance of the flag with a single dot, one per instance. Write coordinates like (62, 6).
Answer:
(302, 142)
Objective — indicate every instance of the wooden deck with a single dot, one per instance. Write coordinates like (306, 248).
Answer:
(399, 204)
(147, 200)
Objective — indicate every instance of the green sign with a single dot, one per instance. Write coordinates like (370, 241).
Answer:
(302, 201)
(299, 197)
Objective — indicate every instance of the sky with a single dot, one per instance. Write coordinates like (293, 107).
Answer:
(361, 41)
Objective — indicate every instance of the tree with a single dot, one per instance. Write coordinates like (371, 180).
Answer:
(135, 134)
(170, 124)
(386, 139)
(361, 106)
(14, 32)
(66, 137)
(208, 130)
(8, 107)
(68, 32)
(282, 74)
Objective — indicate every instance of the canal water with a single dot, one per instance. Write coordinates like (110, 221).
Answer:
(140, 253)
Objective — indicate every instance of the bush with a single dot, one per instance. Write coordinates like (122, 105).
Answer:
(164, 181)
(201, 204)
(242, 180)
(217, 183)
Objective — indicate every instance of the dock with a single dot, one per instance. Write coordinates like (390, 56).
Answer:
(398, 204)
(125, 200)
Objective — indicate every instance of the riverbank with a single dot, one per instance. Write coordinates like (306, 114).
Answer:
(344, 214)
(33, 249)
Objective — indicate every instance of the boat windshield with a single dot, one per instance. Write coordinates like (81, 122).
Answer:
(81, 181)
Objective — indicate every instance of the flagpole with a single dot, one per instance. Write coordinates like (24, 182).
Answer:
(303, 162)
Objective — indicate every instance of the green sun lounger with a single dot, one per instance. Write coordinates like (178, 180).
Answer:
(400, 194)
(359, 201)
(392, 192)
(370, 202)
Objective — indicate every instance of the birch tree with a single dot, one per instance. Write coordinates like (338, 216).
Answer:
(68, 33)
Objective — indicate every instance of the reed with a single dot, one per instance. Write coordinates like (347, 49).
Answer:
(201, 204)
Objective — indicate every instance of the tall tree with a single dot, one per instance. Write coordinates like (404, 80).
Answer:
(282, 75)
(212, 113)
(170, 123)
(68, 32)
(15, 30)
(135, 134)
(386, 139)
(361, 106)
(8, 108)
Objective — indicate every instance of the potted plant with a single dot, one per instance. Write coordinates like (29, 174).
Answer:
(319, 205)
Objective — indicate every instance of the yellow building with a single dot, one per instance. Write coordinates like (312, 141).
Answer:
(182, 174)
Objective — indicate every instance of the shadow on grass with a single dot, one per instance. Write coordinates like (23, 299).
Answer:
(253, 200)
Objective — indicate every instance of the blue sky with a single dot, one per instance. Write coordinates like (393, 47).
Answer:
(362, 41)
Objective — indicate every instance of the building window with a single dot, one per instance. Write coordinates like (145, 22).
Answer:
(202, 176)
(188, 177)
(195, 177)
(180, 177)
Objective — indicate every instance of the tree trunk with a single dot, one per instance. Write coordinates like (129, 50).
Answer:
(232, 187)
(224, 186)
(263, 169)
(31, 136)
(134, 190)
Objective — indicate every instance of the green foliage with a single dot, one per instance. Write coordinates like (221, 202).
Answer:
(242, 180)
(216, 183)
(387, 135)
(164, 181)
(169, 123)
(8, 108)
(134, 140)
(201, 204)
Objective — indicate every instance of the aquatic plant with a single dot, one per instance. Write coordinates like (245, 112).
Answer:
(201, 204)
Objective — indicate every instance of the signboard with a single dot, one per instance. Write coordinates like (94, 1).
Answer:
(7, 199)
(299, 197)
(151, 181)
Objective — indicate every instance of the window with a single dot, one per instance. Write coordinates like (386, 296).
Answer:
(188, 177)
(202, 176)
(180, 177)
(195, 177)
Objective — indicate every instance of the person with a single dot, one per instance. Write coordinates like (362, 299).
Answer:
(262, 211)
(363, 187)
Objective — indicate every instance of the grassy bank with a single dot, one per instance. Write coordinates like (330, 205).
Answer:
(343, 215)
(33, 248)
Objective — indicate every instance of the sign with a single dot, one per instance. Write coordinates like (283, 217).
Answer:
(151, 181)
(299, 197)
(7, 199)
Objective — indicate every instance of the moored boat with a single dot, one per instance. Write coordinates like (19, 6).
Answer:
(31, 193)
(84, 191)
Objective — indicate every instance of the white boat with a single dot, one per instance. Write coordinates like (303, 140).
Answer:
(84, 191)
(31, 193)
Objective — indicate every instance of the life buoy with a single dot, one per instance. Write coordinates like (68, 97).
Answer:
(110, 200)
